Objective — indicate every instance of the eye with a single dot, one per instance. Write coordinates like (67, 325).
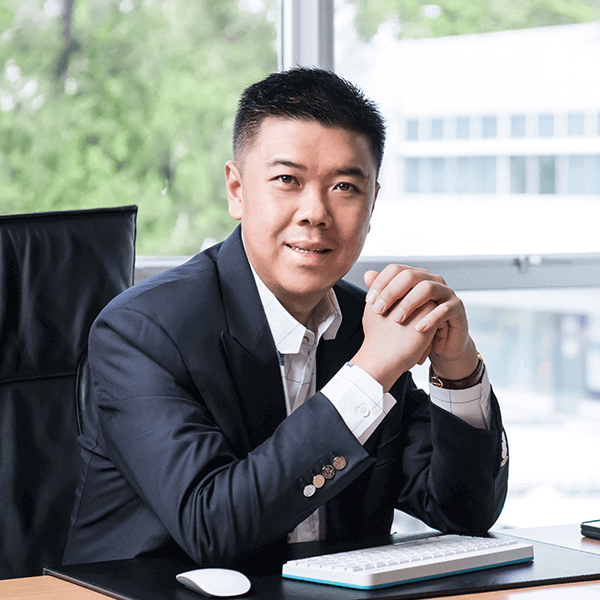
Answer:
(285, 179)
(344, 186)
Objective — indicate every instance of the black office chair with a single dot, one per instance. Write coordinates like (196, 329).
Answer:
(57, 271)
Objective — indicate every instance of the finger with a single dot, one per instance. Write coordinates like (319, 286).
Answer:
(450, 314)
(440, 340)
(369, 277)
(382, 280)
(393, 283)
(424, 291)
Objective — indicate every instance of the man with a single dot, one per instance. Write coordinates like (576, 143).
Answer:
(240, 401)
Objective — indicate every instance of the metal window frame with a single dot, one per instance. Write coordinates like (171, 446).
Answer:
(497, 272)
(305, 36)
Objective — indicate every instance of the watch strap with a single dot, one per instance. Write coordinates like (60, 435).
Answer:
(459, 384)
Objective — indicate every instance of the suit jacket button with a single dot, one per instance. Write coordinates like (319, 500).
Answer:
(309, 490)
(328, 472)
(318, 481)
(339, 462)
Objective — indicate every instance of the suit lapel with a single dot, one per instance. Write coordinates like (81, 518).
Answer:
(248, 344)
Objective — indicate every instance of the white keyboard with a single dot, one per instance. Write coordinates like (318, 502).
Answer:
(406, 562)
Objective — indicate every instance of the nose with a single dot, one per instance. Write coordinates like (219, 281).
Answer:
(314, 208)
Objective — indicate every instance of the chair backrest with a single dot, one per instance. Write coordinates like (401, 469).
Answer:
(57, 271)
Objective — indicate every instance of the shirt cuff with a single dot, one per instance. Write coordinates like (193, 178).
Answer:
(359, 399)
(472, 405)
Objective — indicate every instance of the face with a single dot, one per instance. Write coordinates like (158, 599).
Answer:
(304, 194)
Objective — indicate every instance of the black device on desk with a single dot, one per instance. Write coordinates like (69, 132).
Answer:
(591, 529)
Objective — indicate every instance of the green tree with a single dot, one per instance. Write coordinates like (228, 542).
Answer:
(423, 19)
(113, 102)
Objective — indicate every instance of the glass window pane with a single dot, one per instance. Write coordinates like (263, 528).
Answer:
(488, 127)
(462, 127)
(547, 174)
(437, 129)
(517, 126)
(412, 129)
(489, 174)
(411, 175)
(451, 174)
(477, 174)
(542, 350)
(517, 174)
(546, 126)
(575, 123)
(463, 180)
(437, 175)
(437, 83)
(576, 175)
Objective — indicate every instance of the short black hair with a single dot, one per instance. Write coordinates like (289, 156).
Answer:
(308, 93)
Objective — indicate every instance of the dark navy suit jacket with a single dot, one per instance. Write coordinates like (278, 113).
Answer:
(186, 447)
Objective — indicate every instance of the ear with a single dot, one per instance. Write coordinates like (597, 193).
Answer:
(377, 188)
(233, 183)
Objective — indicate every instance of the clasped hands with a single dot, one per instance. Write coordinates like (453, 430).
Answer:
(411, 315)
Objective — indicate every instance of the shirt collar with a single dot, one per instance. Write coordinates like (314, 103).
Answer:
(287, 332)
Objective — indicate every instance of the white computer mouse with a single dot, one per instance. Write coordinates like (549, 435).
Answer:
(218, 583)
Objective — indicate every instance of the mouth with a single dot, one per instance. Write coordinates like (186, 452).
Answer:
(302, 250)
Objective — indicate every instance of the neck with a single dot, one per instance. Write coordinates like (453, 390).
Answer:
(300, 309)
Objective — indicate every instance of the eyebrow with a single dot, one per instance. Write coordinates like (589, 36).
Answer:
(354, 171)
(280, 162)
(351, 171)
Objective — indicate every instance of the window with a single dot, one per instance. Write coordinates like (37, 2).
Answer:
(546, 126)
(576, 174)
(437, 129)
(462, 128)
(517, 174)
(488, 174)
(488, 127)
(437, 175)
(583, 174)
(575, 124)
(463, 174)
(411, 175)
(547, 166)
(412, 129)
(517, 126)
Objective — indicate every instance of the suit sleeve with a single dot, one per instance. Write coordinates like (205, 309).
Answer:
(454, 477)
(157, 431)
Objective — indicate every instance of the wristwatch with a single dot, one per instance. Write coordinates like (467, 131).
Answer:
(459, 384)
